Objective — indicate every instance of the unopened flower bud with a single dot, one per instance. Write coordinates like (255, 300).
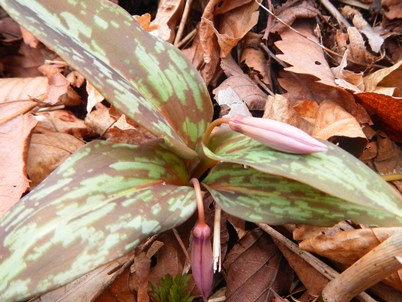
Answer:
(202, 258)
(276, 135)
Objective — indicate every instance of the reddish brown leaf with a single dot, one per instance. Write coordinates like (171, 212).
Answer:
(386, 112)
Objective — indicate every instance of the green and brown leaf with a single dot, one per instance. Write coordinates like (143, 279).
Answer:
(95, 207)
(147, 79)
(335, 172)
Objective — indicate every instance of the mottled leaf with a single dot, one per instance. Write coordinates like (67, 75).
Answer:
(95, 207)
(146, 78)
(260, 197)
(334, 172)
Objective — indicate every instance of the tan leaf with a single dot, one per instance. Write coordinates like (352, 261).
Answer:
(12, 89)
(389, 77)
(100, 119)
(59, 89)
(346, 78)
(242, 85)
(62, 121)
(46, 152)
(254, 269)
(290, 11)
(10, 30)
(333, 122)
(145, 21)
(29, 38)
(357, 49)
(254, 58)
(307, 109)
(279, 108)
(14, 137)
(346, 247)
(304, 87)
(394, 11)
(167, 18)
(374, 39)
(94, 96)
(304, 56)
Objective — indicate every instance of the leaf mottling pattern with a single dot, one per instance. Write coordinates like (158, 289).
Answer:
(147, 79)
(334, 172)
(259, 197)
(117, 195)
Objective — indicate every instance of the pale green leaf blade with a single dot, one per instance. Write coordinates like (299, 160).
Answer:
(98, 205)
(146, 78)
(334, 172)
(260, 197)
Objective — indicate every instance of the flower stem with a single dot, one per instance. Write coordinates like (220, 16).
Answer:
(392, 177)
(200, 203)
(211, 126)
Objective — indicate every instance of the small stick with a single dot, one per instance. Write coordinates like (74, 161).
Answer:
(187, 38)
(337, 15)
(182, 22)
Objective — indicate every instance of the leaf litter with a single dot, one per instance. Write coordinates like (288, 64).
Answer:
(336, 83)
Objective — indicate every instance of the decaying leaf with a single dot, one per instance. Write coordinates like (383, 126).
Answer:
(385, 81)
(14, 138)
(47, 150)
(254, 269)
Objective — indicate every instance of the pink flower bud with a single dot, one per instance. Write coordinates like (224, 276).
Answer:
(276, 135)
(202, 258)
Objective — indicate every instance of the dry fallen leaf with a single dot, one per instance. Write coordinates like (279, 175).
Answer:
(12, 89)
(386, 79)
(346, 247)
(242, 85)
(334, 123)
(167, 18)
(386, 112)
(254, 269)
(279, 108)
(14, 138)
(47, 151)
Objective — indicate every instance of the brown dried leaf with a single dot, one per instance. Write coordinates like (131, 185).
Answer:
(139, 279)
(304, 87)
(87, 287)
(59, 89)
(335, 124)
(94, 96)
(100, 119)
(304, 56)
(394, 11)
(62, 121)
(357, 49)
(242, 85)
(29, 38)
(292, 10)
(14, 137)
(10, 30)
(47, 151)
(167, 18)
(311, 278)
(279, 108)
(254, 58)
(346, 78)
(145, 22)
(346, 247)
(12, 89)
(254, 269)
(389, 77)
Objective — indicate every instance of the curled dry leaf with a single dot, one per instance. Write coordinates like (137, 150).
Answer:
(346, 247)
(13, 89)
(94, 96)
(357, 49)
(279, 108)
(305, 87)
(385, 81)
(14, 138)
(222, 26)
(100, 119)
(346, 78)
(167, 18)
(29, 38)
(292, 10)
(47, 151)
(254, 269)
(59, 89)
(334, 123)
(253, 57)
(10, 30)
(374, 39)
